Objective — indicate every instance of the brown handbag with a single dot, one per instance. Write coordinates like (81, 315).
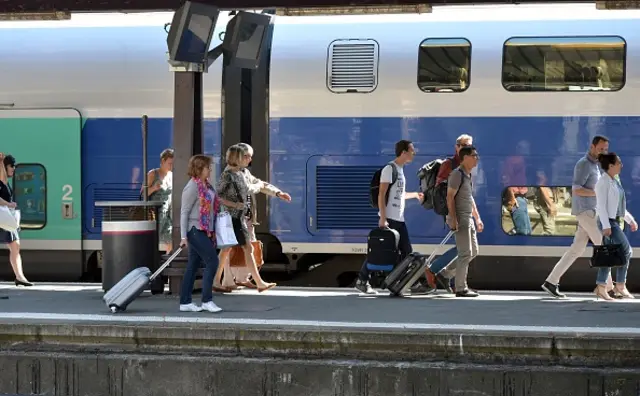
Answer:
(236, 257)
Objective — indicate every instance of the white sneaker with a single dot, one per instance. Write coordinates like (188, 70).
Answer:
(211, 307)
(190, 308)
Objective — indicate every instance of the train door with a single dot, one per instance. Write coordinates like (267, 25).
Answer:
(47, 186)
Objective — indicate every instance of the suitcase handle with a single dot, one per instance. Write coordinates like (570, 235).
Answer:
(166, 264)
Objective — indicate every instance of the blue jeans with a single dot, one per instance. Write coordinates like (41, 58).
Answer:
(520, 217)
(617, 237)
(441, 262)
(201, 248)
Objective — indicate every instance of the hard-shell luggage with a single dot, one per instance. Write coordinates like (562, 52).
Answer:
(405, 274)
(132, 285)
(382, 249)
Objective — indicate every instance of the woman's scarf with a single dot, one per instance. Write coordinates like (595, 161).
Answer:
(209, 205)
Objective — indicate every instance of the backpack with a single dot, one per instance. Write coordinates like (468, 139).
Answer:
(374, 186)
(435, 197)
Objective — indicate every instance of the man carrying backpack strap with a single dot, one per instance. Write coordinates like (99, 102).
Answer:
(391, 210)
(439, 270)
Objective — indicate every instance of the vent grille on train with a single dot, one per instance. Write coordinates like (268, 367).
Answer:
(119, 193)
(342, 198)
(353, 66)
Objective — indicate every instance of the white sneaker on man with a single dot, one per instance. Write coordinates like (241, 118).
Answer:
(191, 307)
(211, 307)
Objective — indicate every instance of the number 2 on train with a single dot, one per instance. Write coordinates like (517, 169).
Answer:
(67, 190)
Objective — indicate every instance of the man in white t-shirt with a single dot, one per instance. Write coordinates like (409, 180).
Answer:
(392, 212)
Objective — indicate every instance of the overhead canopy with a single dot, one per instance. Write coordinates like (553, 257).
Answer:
(35, 6)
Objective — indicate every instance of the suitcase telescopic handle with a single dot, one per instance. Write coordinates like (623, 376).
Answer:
(166, 263)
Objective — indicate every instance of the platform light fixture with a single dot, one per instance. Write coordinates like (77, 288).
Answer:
(356, 10)
(618, 5)
(190, 32)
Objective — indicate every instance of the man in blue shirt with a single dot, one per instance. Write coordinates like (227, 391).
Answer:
(583, 205)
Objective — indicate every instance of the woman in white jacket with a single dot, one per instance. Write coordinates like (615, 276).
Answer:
(611, 205)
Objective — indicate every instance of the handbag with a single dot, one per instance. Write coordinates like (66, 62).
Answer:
(236, 257)
(608, 255)
(8, 220)
(225, 237)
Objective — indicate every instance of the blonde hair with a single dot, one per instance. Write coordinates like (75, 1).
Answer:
(197, 163)
(234, 155)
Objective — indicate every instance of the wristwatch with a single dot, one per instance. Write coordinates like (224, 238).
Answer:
(278, 194)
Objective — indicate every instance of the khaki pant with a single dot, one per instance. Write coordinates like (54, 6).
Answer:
(242, 274)
(587, 230)
(467, 246)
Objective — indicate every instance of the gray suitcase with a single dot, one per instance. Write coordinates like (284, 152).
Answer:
(132, 285)
(407, 273)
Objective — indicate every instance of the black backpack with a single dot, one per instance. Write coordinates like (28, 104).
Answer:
(374, 186)
(435, 196)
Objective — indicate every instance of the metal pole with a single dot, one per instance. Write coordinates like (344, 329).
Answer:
(145, 187)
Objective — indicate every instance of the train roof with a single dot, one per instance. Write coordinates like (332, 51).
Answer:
(445, 13)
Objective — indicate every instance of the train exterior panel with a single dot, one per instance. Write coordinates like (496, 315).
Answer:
(324, 144)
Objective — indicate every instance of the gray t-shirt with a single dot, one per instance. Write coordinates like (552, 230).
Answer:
(460, 181)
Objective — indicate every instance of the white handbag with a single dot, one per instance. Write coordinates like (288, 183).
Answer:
(8, 220)
(225, 237)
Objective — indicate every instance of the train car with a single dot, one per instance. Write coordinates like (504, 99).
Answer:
(532, 85)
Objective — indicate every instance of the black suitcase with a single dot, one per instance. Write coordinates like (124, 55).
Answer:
(382, 248)
(405, 274)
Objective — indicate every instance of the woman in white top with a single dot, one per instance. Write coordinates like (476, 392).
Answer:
(611, 205)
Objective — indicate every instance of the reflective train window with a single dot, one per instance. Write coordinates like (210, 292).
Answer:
(564, 64)
(538, 210)
(444, 65)
(30, 194)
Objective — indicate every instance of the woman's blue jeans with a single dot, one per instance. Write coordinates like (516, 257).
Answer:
(617, 237)
(520, 217)
(200, 248)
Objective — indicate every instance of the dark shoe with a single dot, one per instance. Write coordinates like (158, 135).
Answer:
(364, 287)
(21, 283)
(444, 282)
(467, 293)
(613, 294)
(553, 290)
(420, 288)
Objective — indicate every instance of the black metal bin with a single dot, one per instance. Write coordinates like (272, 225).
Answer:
(129, 240)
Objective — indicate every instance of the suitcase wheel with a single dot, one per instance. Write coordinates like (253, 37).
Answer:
(115, 309)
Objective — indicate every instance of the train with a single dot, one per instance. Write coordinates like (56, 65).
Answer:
(532, 84)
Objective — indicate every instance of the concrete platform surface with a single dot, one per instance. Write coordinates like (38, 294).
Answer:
(62, 340)
(498, 327)
(333, 307)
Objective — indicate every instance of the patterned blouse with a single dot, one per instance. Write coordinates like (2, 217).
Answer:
(233, 187)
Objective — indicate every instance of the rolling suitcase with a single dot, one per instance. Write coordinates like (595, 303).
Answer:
(410, 270)
(132, 285)
(382, 249)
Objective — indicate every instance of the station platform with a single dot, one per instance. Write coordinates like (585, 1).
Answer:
(336, 331)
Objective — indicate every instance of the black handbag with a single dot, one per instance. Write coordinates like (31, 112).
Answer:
(608, 255)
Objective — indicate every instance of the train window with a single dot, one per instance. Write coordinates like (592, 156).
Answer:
(564, 64)
(444, 65)
(352, 66)
(30, 192)
(538, 210)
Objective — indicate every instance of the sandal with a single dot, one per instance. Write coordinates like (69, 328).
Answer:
(269, 286)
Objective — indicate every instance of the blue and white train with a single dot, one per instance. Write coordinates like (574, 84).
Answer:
(532, 84)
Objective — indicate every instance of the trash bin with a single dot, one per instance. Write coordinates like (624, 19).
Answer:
(129, 240)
